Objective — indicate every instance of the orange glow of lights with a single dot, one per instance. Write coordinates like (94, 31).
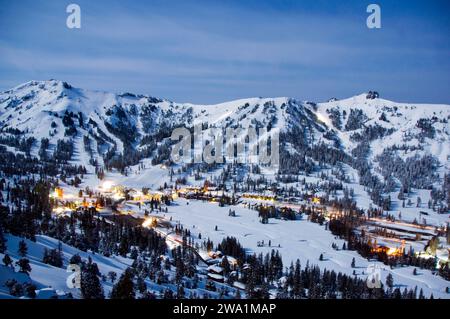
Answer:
(59, 192)
(149, 222)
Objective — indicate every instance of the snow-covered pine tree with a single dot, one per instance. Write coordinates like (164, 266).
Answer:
(124, 288)
(23, 248)
(90, 283)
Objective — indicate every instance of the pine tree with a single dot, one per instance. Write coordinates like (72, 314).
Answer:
(7, 260)
(24, 265)
(75, 259)
(3, 246)
(168, 294)
(15, 288)
(225, 266)
(112, 276)
(180, 292)
(353, 263)
(30, 290)
(140, 285)
(251, 283)
(421, 295)
(90, 283)
(297, 284)
(390, 281)
(23, 249)
(53, 257)
(45, 258)
(264, 291)
(148, 296)
(134, 253)
(124, 288)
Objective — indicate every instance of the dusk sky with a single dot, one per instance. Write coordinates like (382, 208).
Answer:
(214, 51)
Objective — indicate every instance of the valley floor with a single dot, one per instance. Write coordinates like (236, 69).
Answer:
(297, 239)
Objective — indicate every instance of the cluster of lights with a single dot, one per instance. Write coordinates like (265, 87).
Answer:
(57, 193)
(390, 251)
(393, 252)
(259, 197)
(149, 222)
(107, 186)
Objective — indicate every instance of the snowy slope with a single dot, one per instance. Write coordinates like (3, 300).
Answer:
(298, 239)
(402, 118)
(46, 276)
(41, 109)
(38, 109)
(33, 106)
(117, 122)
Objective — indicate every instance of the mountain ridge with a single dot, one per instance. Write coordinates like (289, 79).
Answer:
(358, 97)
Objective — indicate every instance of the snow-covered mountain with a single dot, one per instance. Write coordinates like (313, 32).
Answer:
(386, 142)
(34, 106)
(415, 128)
(373, 149)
